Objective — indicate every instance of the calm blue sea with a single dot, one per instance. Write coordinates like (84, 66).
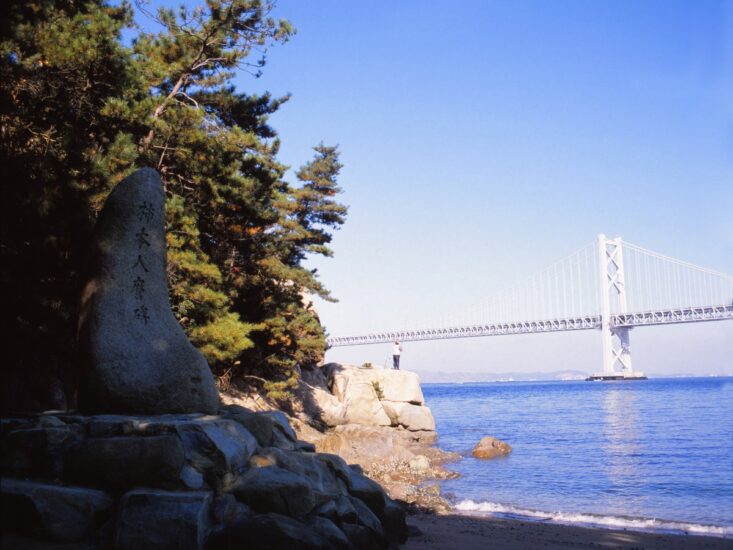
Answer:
(654, 454)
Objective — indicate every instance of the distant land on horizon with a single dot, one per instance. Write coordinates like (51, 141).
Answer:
(447, 377)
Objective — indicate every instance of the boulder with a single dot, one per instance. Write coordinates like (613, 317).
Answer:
(218, 448)
(135, 358)
(324, 406)
(226, 510)
(367, 532)
(161, 519)
(364, 444)
(356, 389)
(270, 428)
(329, 531)
(412, 417)
(267, 532)
(399, 385)
(126, 462)
(321, 477)
(369, 492)
(30, 451)
(394, 385)
(52, 512)
(490, 447)
(273, 489)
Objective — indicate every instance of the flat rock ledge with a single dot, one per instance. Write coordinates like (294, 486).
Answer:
(235, 479)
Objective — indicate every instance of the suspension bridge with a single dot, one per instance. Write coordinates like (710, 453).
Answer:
(608, 285)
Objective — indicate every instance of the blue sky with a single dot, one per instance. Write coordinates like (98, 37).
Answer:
(484, 140)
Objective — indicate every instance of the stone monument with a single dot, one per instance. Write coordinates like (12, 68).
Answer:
(135, 358)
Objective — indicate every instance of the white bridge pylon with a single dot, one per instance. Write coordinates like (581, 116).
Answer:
(608, 285)
(615, 339)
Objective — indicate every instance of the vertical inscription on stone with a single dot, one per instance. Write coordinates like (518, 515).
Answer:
(145, 214)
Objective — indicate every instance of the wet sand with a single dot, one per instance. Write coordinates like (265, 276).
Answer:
(463, 532)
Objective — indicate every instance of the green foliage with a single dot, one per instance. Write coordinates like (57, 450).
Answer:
(81, 111)
(367, 365)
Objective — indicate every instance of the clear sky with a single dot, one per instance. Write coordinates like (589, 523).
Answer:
(484, 140)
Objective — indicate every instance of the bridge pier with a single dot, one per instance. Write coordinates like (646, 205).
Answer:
(616, 347)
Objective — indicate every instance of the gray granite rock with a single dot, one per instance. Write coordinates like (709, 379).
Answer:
(273, 489)
(218, 448)
(322, 479)
(345, 511)
(329, 531)
(270, 428)
(134, 355)
(268, 532)
(125, 462)
(366, 517)
(52, 512)
(37, 451)
(161, 519)
(368, 491)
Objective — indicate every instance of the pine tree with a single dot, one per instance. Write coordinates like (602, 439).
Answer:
(84, 112)
(60, 63)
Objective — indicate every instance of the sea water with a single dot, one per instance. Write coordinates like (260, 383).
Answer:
(654, 454)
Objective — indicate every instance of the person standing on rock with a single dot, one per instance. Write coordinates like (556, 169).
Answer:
(396, 352)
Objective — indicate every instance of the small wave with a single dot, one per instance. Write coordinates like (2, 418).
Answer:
(610, 522)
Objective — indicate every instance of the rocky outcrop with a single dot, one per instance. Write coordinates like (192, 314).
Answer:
(134, 355)
(399, 454)
(346, 394)
(413, 417)
(490, 447)
(184, 481)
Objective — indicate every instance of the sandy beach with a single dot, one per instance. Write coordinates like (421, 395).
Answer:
(452, 531)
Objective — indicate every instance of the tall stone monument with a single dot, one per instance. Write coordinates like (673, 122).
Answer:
(135, 357)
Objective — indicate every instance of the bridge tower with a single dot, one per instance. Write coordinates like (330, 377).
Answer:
(616, 349)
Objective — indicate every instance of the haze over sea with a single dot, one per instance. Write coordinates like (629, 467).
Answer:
(654, 454)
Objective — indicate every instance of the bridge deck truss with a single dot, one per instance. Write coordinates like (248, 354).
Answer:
(629, 320)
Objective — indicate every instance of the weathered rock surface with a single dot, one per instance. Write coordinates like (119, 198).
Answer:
(270, 428)
(267, 532)
(356, 390)
(219, 449)
(274, 489)
(134, 355)
(412, 417)
(52, 512)
(121, 462)
(160, 519)
(400, 385)
(32, 449)
(340, 394)
(329, 531)
(356, 444)
(323, 479)
(490, 447)
(187, 481)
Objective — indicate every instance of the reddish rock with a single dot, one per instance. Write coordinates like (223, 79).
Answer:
(490, 447)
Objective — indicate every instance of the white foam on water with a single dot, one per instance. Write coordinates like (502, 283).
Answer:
(609, 522)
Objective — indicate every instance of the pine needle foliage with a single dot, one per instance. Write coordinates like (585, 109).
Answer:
(81, 110)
